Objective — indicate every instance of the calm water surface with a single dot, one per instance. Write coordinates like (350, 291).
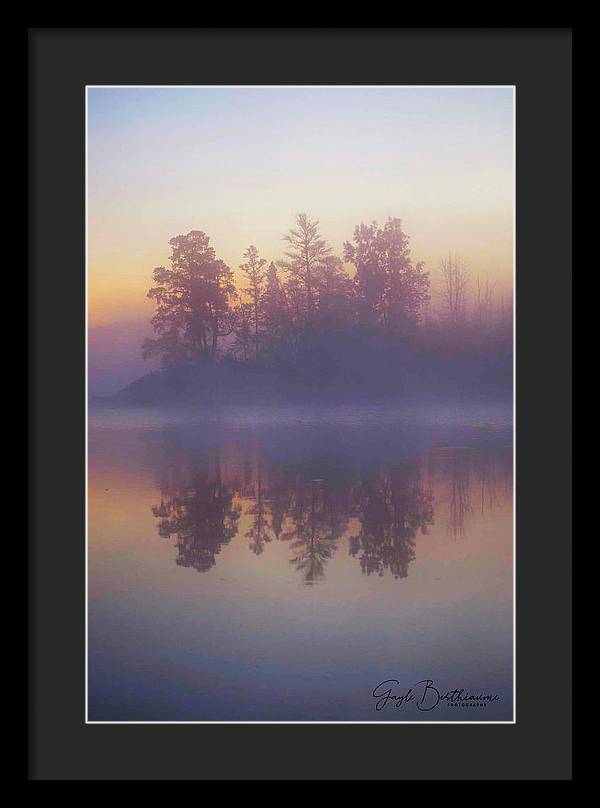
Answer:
(280, 565)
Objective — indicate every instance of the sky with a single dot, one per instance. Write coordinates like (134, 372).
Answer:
(239, 163)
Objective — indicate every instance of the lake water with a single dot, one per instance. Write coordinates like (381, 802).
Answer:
(279, 565)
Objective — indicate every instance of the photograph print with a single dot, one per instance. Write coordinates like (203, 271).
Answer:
(300, 369)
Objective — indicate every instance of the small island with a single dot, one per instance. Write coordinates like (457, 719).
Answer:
(313, 326)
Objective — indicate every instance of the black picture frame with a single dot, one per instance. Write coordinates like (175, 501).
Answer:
(61, 63)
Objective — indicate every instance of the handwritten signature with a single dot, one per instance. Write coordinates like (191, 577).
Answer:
(426, 695)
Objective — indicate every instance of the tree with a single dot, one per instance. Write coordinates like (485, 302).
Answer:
(242, 346)
(253, 269)
(275, 309)
(193, 298)
(484, 303)
(392, 291)
(455, 277)
(306, 253)
(335, 293)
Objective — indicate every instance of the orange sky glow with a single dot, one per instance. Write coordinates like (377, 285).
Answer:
(238, 163)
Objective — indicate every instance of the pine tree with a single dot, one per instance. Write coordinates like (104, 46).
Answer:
(305, 255)
(253, 269)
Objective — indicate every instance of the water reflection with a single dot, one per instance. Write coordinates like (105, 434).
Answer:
(380, 549)
(211, 494)
(197, 509)
(472, 481)
(392, 506)
(261, 531)
(317, 523)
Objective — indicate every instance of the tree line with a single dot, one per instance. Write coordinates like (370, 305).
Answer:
(201, 313)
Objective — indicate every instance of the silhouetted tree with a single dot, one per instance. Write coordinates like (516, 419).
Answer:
(335, 291)
(253, 269)
(274, 306)
(192, 299)
(295, 295)
(484, 303)
(243, 343)
(392, 291)
(454, 293)
(305, 254)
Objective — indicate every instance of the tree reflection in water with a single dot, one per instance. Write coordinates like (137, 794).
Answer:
(261, 531)
(313, 536)
(392, 507)
(197, 509)
(384, 507)
(471, 483)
